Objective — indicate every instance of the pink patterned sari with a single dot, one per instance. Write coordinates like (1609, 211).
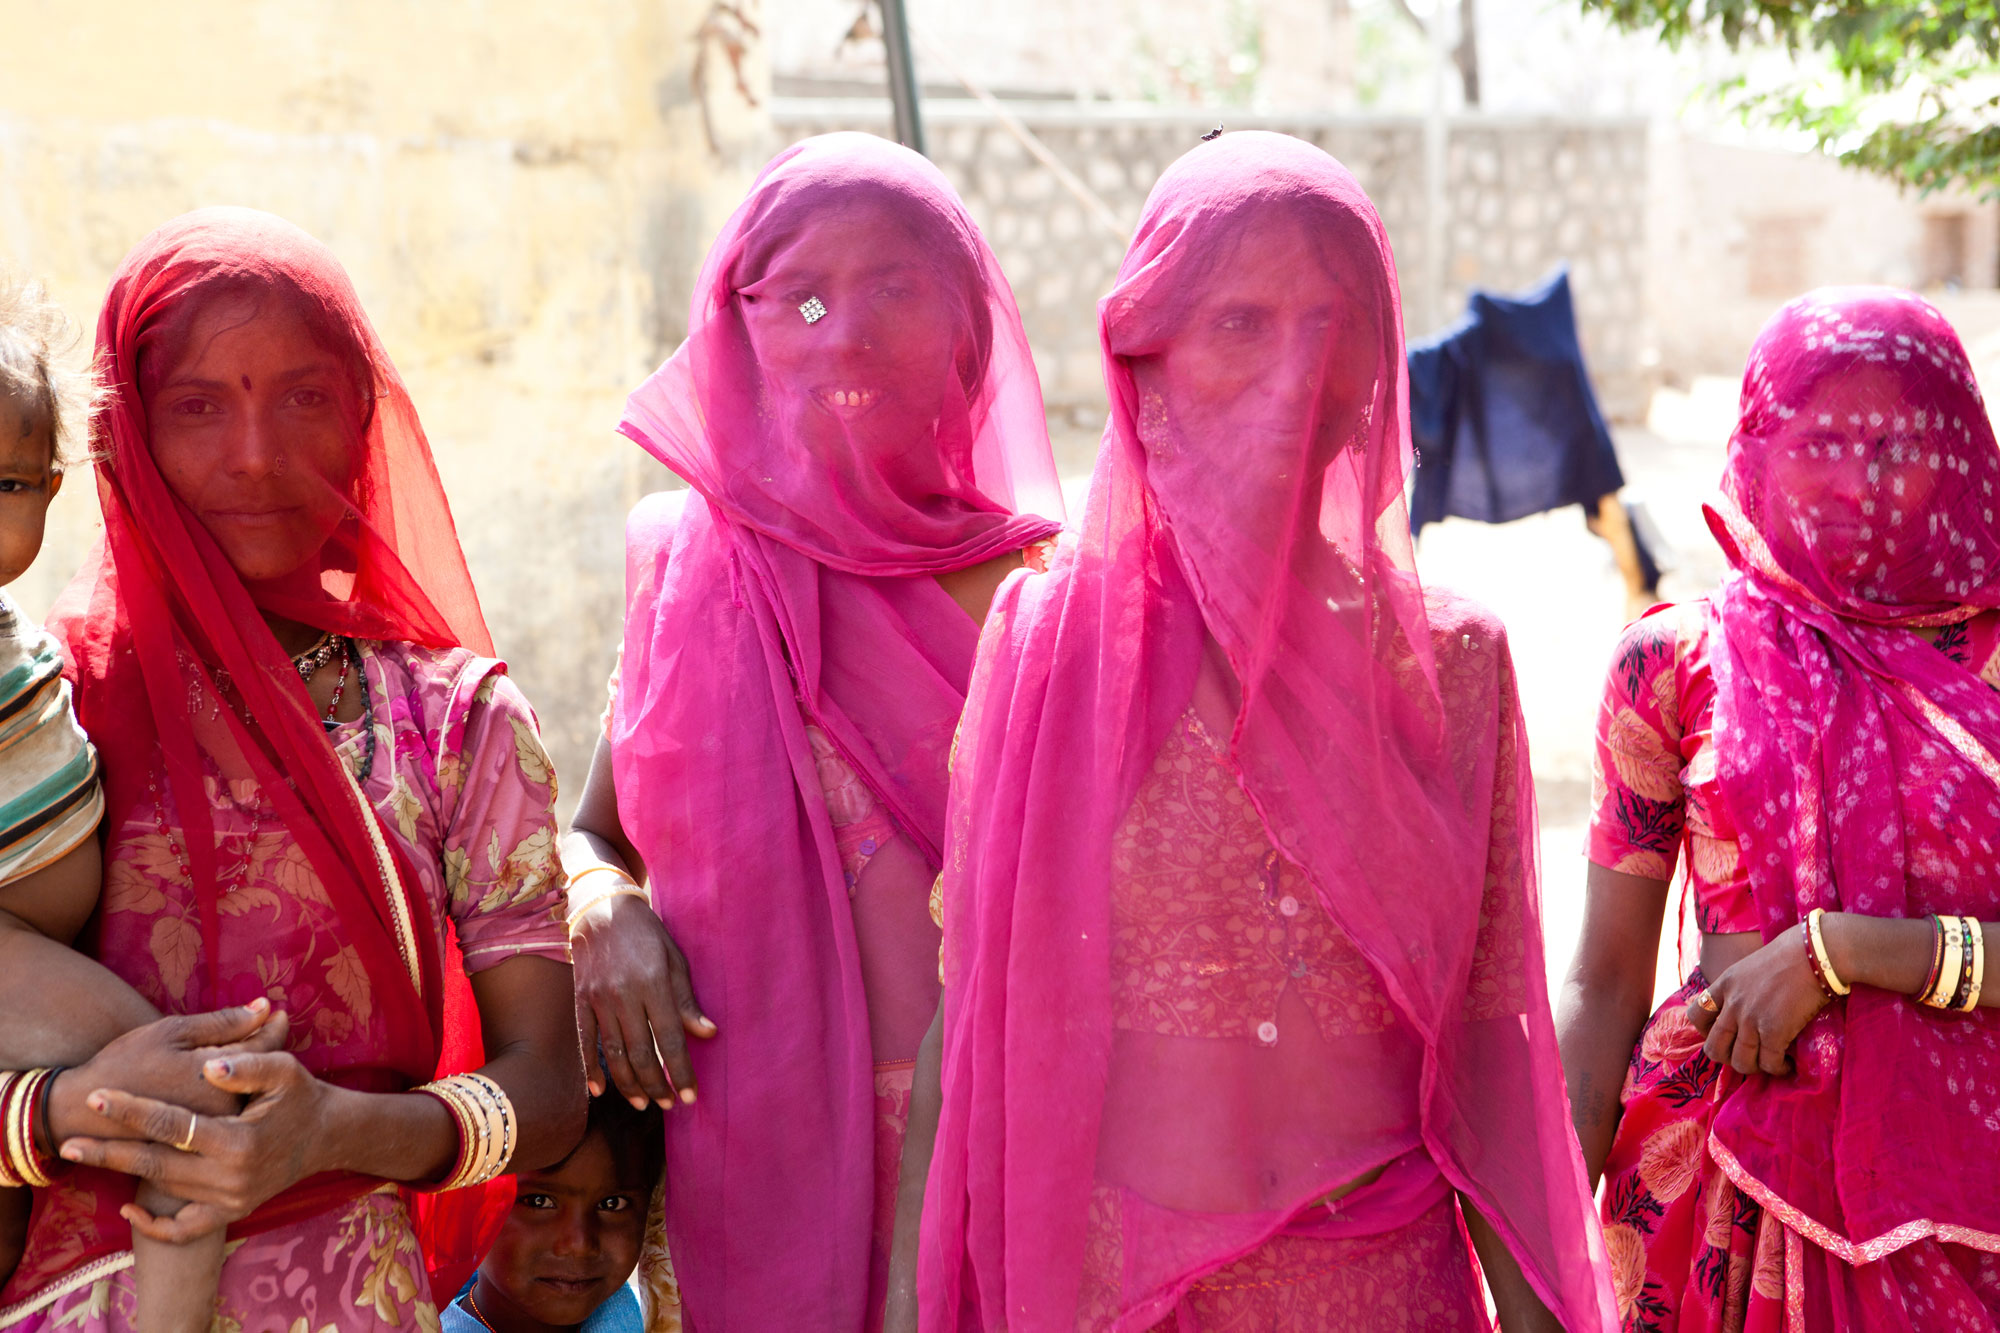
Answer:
(1208, 967)
(1860, 768)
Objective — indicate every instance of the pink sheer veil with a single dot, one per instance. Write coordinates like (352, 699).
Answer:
(1378, 739)
(856, 410)
(1858, 502)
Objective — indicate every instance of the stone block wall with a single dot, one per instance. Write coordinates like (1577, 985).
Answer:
(1521, 195)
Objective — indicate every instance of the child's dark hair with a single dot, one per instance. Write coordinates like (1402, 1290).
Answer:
(637, 1139)
(36, 339)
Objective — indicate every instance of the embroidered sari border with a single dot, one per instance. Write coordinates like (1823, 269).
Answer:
(1847, 1251)
(75, 1280)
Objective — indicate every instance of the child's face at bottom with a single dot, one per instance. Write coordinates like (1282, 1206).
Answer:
(28, 481)
(570, 1242)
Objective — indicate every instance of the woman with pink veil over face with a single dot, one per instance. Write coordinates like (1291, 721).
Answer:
(1803, 1135)
(1244, 1021)
(858, 417)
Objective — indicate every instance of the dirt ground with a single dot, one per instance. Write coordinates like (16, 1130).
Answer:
(1563, 601)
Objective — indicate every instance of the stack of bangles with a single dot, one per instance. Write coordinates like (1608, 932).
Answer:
(610, 882)
(485, 1120)
(24, 1118)
(1958, 964)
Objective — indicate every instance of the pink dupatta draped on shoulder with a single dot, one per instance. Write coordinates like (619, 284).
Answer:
(1377, 738)
(838, 461)
(1858, 503)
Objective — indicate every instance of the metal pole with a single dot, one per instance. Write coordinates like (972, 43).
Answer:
(1437, 230)
(902, 76)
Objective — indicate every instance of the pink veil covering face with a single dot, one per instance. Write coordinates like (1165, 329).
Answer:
(1858, 502)
(837, 462)
(1249, 493)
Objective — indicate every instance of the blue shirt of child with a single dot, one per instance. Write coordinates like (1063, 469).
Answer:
(620, 1314)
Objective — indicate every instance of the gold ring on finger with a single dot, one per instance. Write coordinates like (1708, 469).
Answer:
(1707, 1001)
(187, 1140)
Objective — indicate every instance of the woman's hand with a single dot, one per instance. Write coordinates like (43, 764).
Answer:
(1761, 1006)
(633, 998)
(163, 1060)
(230, 1164)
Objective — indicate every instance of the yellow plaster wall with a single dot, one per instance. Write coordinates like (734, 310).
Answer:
(521, 191)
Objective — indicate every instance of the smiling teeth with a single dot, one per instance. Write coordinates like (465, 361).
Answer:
(853, 397)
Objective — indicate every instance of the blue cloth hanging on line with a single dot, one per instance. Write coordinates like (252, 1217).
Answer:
(1502, 413)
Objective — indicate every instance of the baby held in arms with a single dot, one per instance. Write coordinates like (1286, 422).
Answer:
(51, 801)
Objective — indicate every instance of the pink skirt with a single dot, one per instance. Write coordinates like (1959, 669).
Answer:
(353, 1269)
(1417, 1277)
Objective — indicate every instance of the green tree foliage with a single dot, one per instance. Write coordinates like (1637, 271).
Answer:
(1914, 91)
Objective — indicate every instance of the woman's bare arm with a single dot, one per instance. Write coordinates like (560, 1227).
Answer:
(1606, 998)
(919, 1145)
(1520, 1309)
(634, 998)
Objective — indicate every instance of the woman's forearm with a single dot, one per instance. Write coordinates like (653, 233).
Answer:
(1520, 1309)
(412, 1137)
(404, 1136)
(919, 1145)
(1895, 953)
(1596, 1029)
(596, 836)
(1605, 999)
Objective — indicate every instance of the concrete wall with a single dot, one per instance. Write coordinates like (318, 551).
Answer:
(522, 193)
(1522, 195)
(1737, 231)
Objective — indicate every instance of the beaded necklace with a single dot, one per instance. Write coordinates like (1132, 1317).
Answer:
(473, 1306)
(350, 658)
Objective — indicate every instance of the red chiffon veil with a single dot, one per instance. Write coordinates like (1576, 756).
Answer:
(177, 673)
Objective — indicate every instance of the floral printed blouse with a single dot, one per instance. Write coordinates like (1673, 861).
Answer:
(1653, 781)
(458, 775)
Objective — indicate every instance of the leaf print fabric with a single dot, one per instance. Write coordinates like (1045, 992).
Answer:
(1689, 1251)
(483, 850)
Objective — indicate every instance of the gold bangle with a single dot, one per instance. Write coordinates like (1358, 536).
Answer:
(1976, 934)
(10, 1082)
(602, 868)
(486, 1128)
(1833, 981)
(19, 1095)
(624, 887)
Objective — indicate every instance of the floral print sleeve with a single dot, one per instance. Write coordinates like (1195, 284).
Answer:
(501, 868)
(1638, 807)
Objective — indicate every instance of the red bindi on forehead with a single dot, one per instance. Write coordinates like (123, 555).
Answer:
(246, 384)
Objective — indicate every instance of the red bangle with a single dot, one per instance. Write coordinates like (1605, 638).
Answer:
(1937, 958)
(1812, 959)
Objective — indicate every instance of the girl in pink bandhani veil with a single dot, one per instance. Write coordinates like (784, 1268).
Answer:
(1806, 1132)
(1244, 1021)
(859, 419)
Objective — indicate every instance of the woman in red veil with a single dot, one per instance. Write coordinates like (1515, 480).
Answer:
(325, 803)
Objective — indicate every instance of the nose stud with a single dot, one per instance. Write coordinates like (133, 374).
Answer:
(814, 310)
